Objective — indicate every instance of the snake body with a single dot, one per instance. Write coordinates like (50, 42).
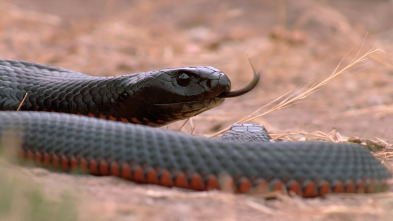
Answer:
(149, 155)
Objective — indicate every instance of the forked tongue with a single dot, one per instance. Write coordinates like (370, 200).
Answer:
(244, 90)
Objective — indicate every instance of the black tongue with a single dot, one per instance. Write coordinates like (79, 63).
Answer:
(244, 90)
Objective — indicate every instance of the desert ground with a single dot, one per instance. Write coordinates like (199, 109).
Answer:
(296, 44)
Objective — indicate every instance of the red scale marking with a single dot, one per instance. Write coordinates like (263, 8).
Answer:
(104, 170)
(64, 163)
(360, 186)
(212, 183)
(23, 154)
(350, 187)
(277, 185)
(91, 115)
(161, 121)
(371, 187)
(126, 172)
(30, 155)
(73, 163)
(166, 179)
(338, 187)
(55, 161)
(125, 120)
(294, 187)
(114, 169)
(181, 180)
(93, 167)
(138, 175)
(324, 188)
(152, 124)
(135, 120)
(309, 189)
(152, 177)
(38, 157)
(243, 186)
(196, 182)
(47, 159)
(84, 165)
(112, 118)
(102, 116)
(368, 184)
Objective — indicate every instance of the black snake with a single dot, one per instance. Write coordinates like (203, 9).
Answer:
(149, 155)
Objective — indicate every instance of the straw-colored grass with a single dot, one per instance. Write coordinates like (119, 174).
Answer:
(290, 98)
(22, 102)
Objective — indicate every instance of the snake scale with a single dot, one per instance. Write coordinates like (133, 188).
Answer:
(118, 145)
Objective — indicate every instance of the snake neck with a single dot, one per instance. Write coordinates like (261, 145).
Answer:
(80, 94)
(116, 98)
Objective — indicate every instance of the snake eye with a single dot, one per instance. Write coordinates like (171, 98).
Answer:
(183, 80)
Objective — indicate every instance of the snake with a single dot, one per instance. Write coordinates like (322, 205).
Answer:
(104, 126)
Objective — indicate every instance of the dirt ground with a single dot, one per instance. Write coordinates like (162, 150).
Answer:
(295, 43)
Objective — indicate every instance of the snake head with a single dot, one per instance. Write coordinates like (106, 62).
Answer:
(172, 94)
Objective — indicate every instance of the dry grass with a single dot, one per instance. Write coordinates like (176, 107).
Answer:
(290, 98)
(22, 102)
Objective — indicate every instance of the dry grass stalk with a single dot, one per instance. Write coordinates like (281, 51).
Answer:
(22, 102)
(383, 61)
(188, 120)
(288, 99)
(183, 124)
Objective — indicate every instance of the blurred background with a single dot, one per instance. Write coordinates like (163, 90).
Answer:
(295, 43)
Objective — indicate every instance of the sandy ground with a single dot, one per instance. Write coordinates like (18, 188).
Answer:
(296, 43)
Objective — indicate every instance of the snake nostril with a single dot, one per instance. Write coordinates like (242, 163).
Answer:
(224, 83)
(209, 83)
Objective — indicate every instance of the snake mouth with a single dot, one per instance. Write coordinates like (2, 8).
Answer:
(192, 105)
(190, 108)
(246, 89)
